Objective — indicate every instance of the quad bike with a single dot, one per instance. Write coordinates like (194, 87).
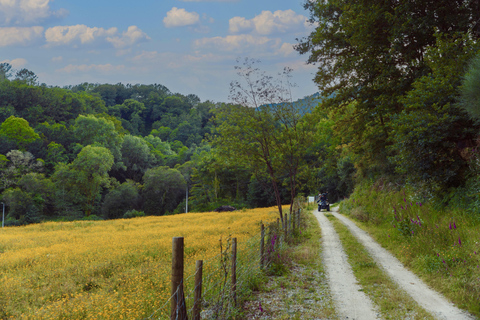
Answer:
(323, 204)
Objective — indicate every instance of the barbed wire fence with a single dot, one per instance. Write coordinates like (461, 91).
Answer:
(214, 289)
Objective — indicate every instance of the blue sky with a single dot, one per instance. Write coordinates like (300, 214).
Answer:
(189, 46)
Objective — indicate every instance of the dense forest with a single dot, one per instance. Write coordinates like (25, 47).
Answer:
(399, 100)
(103, 151)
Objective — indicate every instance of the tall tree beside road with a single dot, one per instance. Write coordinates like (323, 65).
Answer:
(371, 52)
(262, 129)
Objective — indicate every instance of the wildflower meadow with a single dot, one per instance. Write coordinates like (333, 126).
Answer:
(117, 269)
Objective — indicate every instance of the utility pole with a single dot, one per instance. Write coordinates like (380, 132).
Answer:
(186, 201)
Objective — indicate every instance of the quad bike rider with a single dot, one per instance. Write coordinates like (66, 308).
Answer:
(323, 202)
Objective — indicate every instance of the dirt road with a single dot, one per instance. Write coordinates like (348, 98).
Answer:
(354, 304)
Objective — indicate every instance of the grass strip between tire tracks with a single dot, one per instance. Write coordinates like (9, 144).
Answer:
(393, 303)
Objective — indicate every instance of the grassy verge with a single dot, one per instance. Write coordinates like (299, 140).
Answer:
(301, 291)
(442, 246)
(393, 303)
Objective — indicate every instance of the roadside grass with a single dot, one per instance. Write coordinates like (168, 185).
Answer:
(301, 292)
(393, 302)
(440, 246)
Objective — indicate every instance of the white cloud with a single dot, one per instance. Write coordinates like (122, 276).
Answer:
(180, 18)
(132, 36)
(65, 35)
(145, 56)
(287, 49)
(57, 59)
(239, 24)
(26, 12)
(83, 68)
(174, 60)
(83, 35)
(19, 36)
(268, 23)
(16, 63)
(237, 43)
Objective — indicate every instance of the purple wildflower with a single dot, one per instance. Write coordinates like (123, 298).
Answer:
(459, 241)
(260, 307)
(450, 226)
(454, 225)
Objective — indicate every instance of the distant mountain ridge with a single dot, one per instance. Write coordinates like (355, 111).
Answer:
(304, 105)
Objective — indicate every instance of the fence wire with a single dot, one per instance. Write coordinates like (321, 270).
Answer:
(217, 299)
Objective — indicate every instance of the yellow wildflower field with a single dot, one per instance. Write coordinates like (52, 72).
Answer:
(116, 269)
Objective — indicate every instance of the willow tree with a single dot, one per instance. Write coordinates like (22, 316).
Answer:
(262, 129)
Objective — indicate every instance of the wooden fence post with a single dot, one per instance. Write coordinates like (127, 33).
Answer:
(279, 231)
(290, 223)
(178, 309)
(298, 218)
(197, 298)
(293, 220)
(234, 271)
(262, 246)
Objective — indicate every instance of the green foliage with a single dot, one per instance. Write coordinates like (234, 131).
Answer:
(19, 164)
(92, 130)
(92, 217)
(55, 153)
(136, 157)
(443, 247)
(84, 178)
(23, 207)
(120, 200)
(470, 90)
(133, 214)
(216, 182)
(371, 53)
(430, 132)
(263, 131)
(18, 130)
(164, 189)
(58, 133)
(38, 104)
(41, 189)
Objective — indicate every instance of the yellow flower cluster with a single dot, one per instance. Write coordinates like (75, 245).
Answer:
(117, 269)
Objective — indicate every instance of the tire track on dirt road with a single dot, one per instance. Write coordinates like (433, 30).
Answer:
(429, 299)
(350, 301)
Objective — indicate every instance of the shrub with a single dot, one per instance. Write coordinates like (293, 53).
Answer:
(133, 214)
